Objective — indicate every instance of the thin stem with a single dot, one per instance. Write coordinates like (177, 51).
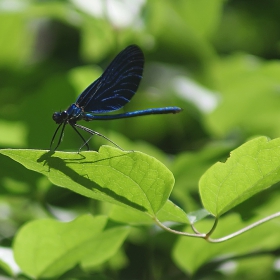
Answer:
(210, 232)
(242, 230)
(200, 235)
(213, 228)
(194, 229)
(206, 236)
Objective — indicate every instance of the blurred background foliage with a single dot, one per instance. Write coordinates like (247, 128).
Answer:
(218, 60)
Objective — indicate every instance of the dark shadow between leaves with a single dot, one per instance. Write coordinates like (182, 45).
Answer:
(61, 165)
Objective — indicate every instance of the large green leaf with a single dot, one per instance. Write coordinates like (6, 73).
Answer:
(47, 248)
(250, 169)
(128, 178)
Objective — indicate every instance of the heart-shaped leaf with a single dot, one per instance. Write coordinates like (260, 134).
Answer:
(48, 248)
(250, 169)
(126, 178)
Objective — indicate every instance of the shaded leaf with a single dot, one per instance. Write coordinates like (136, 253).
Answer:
(128, 178)
(105, 246)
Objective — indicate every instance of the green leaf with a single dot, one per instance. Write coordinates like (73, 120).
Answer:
(129, 216)
(172, 213)
(105, 246)
(254, 81)
(250, 169)
(47, 248)
(168, 213)
(125, 178)
(188, 167)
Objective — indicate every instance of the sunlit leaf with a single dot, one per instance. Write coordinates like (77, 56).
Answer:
(168, 213)
(128, 178)
(251, 168)
(47, 248)
(172, 213)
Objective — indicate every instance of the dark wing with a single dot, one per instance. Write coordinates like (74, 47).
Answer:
(116, 86)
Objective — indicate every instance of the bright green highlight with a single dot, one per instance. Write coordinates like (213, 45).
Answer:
(47, 248)
(125, 178)
(250, 169)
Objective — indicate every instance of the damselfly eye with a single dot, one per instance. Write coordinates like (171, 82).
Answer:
(59, 117)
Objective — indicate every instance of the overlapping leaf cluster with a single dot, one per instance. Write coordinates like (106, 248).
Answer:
(92, 215)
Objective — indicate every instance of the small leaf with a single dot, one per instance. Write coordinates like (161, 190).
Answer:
(198, 215)
(250, 169)
(105, 246)
(128, 178)
(172, 213)
(168, 213)
(188, 167)
(48, 248)
(129, 216)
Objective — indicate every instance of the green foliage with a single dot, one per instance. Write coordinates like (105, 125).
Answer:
(251, 168)
(254, 79)
(47, 248)
(94, 215)
(132, 178)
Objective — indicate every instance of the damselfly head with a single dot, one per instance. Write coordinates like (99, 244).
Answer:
(60, 117)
